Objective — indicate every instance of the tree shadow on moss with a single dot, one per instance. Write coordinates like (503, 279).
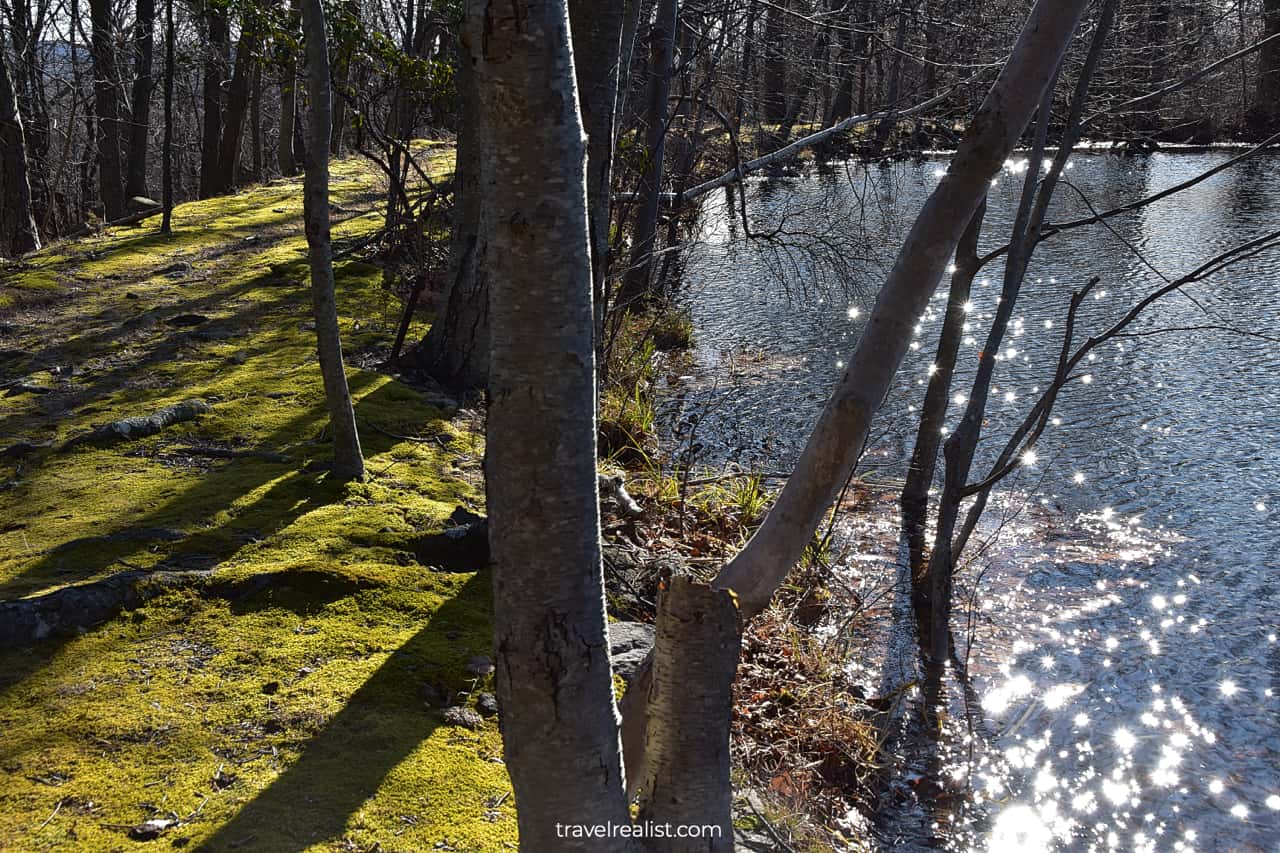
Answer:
(292, 494)
(380, 726)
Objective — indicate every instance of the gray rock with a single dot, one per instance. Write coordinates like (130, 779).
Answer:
(629, 644)
(487, 704)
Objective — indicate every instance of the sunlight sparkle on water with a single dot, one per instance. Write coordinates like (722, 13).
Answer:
(1020, 828)
(1029, 457)
(1228, 688)
(854, 311)
(1077, 478)
(1125, 739)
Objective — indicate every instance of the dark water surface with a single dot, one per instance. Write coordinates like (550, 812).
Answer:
(1130, 681)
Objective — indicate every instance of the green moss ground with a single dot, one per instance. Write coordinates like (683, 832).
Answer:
(287, 720)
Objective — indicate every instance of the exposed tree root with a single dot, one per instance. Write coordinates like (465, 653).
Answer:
(129, 429)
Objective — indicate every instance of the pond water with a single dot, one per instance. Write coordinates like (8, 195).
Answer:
(1129, 664)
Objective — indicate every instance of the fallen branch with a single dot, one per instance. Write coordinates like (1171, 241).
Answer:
(131, 219)
(129, 429)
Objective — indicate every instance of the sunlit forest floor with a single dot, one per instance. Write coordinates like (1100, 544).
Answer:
(278, 705)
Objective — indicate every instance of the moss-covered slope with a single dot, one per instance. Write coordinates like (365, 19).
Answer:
(286, 718)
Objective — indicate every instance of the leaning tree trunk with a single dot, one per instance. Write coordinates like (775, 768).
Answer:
(638, 282)
(348, 463)
(833, 448)
(106, 99)
(18, 233)
(143, 37)
(597, 39)
(559, 722)
(456, 349)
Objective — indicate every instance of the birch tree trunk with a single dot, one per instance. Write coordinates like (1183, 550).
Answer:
(559, 722)
(348, 463)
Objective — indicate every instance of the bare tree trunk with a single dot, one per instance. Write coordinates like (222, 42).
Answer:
(773, 95)
(1264, 118)
(166, 222)
(18, 232)
(225, 178)
(924, 458)
(456, 349)
(686, 779)
(637, 283)
(554, 681)
(140, 130)
(961, 447)
(288, 107)
(106, 98)
(597, 38)
(215, 66)
(255, 122)
(348, 462)
(630, 25)
(906, 10)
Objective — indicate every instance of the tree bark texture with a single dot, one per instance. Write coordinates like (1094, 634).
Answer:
(559, 721)
(690, 701)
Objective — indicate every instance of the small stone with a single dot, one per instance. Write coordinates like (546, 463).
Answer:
(456, 715)
(480, 665)
(487, 704)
